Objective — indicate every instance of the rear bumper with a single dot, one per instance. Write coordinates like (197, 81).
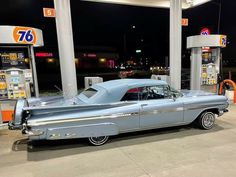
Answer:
(36, 132)
(12, 126)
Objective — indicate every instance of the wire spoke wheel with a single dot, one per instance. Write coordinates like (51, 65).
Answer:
(207, 120)
(97, 141)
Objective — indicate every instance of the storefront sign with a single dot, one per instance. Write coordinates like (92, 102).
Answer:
(44, 54)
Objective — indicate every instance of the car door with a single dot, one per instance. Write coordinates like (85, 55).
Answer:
(158, 108)
(129, 119)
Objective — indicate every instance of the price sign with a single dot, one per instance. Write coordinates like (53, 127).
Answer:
(48, 12)
(24, 35)
(184, 22)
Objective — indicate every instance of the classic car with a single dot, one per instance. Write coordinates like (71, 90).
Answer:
(114, 107)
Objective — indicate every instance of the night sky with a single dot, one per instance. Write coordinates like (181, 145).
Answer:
(97, 24)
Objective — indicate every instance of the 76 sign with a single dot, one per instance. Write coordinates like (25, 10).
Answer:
(24, 35)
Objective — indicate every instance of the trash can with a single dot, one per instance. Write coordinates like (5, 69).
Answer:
(229, 94)
(7, 110)
(89, 81)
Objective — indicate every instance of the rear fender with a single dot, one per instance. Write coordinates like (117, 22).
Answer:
(83, 131)
(19, 114)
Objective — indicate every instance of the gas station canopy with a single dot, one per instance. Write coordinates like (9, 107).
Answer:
(153, 3)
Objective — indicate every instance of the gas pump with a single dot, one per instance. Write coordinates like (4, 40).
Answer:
(205, 61)
(18, 83)
(18, 76)
(210, 66)
(16, 43)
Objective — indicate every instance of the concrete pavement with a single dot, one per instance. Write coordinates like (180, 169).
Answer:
(180, 151)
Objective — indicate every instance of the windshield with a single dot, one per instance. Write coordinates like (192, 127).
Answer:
(176, 93)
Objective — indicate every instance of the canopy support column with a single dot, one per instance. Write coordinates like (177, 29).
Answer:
(175, 43)
(66, 47)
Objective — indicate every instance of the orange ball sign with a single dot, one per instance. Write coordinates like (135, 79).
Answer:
(24, 35)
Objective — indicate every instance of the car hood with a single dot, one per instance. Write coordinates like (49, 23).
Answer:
(196, 93)
(53, 101)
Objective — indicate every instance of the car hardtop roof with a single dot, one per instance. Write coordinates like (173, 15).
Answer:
(130, 83)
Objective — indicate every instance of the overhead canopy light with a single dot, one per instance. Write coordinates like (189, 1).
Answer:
(153, 3)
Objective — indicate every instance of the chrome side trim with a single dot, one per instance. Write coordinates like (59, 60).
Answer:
(112, 116)
(69, 135)
(186, 108)
(193, 107)
(36, 132)
(159, 111)
(76, 126)
(55, 136)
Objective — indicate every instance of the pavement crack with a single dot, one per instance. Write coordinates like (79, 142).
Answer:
(128, 155)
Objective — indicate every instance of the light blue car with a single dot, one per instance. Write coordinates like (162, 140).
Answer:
(114, 107)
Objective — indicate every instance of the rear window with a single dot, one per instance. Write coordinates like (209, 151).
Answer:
(89, 92)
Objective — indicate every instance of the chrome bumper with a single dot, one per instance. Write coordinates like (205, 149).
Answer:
(12, 126)
(36, 132)
(223, 111)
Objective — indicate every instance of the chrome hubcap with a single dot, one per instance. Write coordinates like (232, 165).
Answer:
(208, 120)
(98, 140)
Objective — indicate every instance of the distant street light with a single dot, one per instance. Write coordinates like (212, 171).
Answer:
(138, 51)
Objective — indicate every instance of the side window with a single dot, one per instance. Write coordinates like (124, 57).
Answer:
(132, 94)
(89, 92)
(147, 93)
(157, 92)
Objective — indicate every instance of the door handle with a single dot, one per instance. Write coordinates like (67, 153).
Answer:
(144, 105)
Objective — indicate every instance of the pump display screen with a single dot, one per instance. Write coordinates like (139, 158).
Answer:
(12, 59)
(15, 80)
